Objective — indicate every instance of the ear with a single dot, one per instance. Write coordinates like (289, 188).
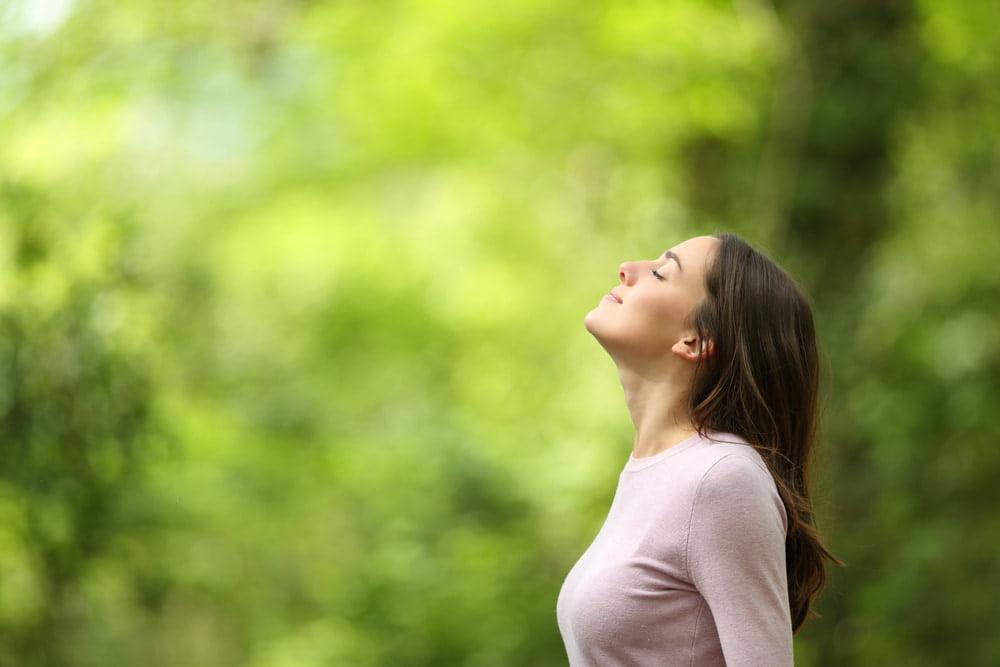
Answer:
(690, 348)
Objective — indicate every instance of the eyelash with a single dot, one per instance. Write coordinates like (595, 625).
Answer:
(658, 276)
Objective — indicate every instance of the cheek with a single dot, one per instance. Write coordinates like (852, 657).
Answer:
(668, 308)
(653, 320)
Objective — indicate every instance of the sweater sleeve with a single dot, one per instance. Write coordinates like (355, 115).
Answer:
(736, 560)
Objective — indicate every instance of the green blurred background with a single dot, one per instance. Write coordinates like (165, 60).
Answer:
(292, 363)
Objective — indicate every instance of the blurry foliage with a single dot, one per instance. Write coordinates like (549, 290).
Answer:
(292, 365)
(75, 414)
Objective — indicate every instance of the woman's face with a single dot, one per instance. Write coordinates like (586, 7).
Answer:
(647, 320)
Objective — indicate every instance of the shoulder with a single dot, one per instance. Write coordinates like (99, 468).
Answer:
(732, 479)
(726, 454)
(711, 459)
(733, 476)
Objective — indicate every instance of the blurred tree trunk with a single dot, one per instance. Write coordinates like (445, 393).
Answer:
(864, 60)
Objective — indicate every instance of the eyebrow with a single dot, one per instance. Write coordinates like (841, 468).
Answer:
(669, 254)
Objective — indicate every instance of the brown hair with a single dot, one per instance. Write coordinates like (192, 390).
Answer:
(761, 383)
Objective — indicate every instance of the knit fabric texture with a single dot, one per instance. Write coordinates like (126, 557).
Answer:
(688, 567)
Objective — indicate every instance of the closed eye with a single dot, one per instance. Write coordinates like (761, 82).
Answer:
(658, 276)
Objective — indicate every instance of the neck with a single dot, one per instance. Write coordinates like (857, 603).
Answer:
(658, 408)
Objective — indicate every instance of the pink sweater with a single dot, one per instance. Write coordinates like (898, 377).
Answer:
(688, 568)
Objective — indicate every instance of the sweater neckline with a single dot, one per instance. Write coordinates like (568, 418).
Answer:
(643, 462)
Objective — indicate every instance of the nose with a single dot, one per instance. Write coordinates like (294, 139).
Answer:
(624, 272)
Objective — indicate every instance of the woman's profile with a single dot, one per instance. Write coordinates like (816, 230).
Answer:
(709, 554)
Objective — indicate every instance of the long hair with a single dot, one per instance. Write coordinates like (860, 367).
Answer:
(761, 383)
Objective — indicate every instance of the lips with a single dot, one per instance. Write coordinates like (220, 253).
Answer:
(615, 297)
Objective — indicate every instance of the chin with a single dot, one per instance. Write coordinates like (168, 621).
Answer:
(603, 337)
(593, 324)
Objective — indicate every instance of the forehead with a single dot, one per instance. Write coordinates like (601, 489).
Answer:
(695, 253)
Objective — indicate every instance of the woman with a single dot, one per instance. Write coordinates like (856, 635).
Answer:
(709, 554)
